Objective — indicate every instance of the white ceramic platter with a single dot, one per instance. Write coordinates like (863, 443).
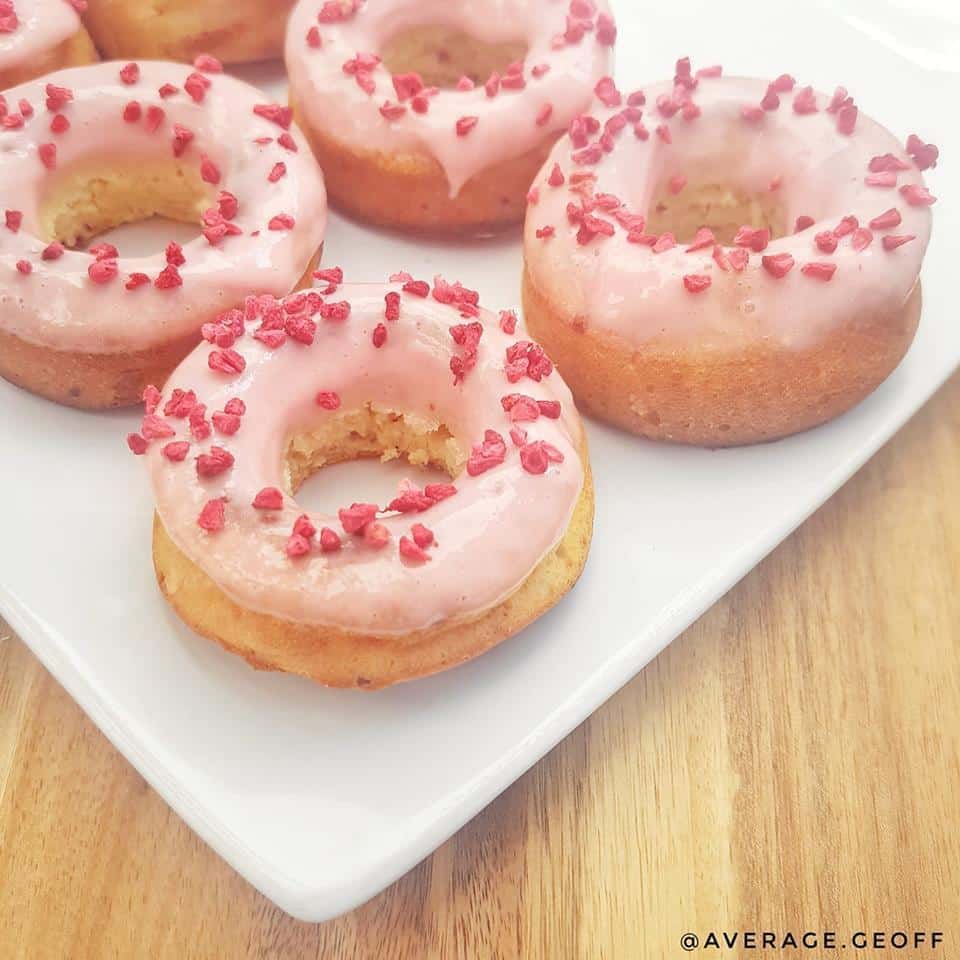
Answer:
(323, 798)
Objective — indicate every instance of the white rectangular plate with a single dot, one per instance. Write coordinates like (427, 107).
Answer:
(322, 798)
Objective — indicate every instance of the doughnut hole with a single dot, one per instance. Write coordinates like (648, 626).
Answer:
(722, 208)
(83, 203)
(370, 433)
(442, 55)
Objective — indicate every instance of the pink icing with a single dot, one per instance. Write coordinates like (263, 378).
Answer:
(57, 303)
(40, 26)
(506, 124)
(819, 172)
(489, 536)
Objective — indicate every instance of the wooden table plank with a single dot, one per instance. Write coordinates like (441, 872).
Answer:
(792, 761)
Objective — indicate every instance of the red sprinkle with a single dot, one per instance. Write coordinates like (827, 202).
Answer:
(57, 97)
(891, 242)
(279, 170)
(275, 113)
(214, 463)
(155, 116)
(392, 309)
(168, 278)
(226, 361)
(226, 423)
(328, 399)
(137, 444)
(508, 322)
(887, 162)
(211, 516)
(53, 251)
(465, 125)
(924, 155)
(132, 112)
(826, 241)
(208, 64)
(802, 223)
(136, 280)
(60, 124)
(490, 453)
(176, 450)
(303, 527)
(209, 171)
(805, 101)
(13, 219)
(269, 498)
(696, 282)
(297, 546)
(917, 195)
(887, 220)
(282, 221)
(154, 427)
(754, 238)
(861, 239)
(102, 271)
(778, 264)
(329, 540)
(379, 335)
(25, 267)
(704, 238)
(410, 551)
(130, 74)
(819, 270)
(358, 516)
(847, 119)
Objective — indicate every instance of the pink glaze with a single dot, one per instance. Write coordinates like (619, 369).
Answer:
(636, 293)
(507, 124)
(34, 29)
(58, 303)
(489, 535)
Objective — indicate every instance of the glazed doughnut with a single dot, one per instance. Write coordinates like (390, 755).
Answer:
(38, 37)
(373, 595)
(234, 31)
(726, 260)
(437, 114)
(109, 144)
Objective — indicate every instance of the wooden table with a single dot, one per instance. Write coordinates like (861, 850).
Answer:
(791, 762)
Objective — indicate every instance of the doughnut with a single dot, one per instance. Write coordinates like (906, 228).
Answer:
(374, 594)
(725, 260)
(102, 145)
(436, 115)
(234, 31)
(38, 37)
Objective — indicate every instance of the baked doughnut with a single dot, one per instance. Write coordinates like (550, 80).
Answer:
(726, 260)
(109, 144)
(371, 596)
(234, 31)
(437, 115)
(38, 37)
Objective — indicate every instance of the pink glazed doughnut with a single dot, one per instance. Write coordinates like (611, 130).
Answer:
(376, 594)
(437, 114)
(98, 146)
(40, 36)
(726, 260)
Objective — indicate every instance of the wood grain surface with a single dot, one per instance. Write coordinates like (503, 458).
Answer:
(791, 762)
